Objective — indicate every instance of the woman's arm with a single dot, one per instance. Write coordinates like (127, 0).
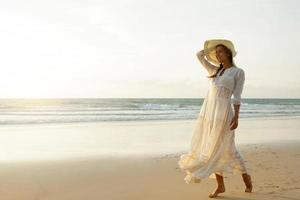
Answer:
(209, 67)
(236, 101)
(236, 110)
(238, 87)
(235, 120)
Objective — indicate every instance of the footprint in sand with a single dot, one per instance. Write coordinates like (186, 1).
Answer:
(290, 188)
(259, 165)
(268, 168)
(272, 192)
(271, 186)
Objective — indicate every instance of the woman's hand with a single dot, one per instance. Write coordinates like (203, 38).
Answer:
(234, 122)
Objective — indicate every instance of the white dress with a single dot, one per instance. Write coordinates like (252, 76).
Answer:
(212, 147)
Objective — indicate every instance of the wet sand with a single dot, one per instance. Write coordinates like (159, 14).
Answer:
(274, 167)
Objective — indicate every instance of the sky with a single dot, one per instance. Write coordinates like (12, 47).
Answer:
(143, 48)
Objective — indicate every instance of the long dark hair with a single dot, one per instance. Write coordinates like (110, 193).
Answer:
(228, 51)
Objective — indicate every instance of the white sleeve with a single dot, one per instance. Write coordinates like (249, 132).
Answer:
(209, 67)
(238, 88)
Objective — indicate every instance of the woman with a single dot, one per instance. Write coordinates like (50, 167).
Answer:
(213, 150)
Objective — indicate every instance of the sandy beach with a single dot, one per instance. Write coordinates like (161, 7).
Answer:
(111, 100)
(270, 148)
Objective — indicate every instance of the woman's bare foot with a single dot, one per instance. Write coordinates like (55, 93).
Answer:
(248, 182)
(220, 189)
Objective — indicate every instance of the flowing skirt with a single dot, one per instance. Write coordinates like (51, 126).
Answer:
(212, 147)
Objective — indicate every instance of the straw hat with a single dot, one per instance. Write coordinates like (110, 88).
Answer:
(210, 49)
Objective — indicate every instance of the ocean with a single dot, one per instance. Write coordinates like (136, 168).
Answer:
(41, 111)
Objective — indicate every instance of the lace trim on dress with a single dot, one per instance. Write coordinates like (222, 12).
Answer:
(220, 91)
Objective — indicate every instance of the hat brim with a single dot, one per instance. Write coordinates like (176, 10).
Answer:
(211, 54)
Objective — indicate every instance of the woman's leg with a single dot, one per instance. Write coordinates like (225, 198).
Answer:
(248, 182)
(220, 188)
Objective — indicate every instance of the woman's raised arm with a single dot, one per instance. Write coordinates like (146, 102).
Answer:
(208, 66)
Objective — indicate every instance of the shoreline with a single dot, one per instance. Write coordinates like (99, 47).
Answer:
(142, 121)
(135, 139)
